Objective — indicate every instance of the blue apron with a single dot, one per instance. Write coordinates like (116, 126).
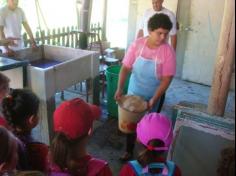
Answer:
(143, 80)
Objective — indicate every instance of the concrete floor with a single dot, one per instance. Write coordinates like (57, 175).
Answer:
(108, 143)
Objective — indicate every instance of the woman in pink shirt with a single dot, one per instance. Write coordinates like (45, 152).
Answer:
(152, 63)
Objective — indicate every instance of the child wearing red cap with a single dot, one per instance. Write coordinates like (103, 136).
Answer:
(73, 121)
(155, 134)
(20, 108)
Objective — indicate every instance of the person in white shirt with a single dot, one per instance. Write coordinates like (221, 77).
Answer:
(158, 8)
(11, 19)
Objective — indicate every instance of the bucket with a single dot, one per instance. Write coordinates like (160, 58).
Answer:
(131, 115)
(112, 77)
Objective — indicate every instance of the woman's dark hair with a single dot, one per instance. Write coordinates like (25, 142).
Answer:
(159, 21)
(18, 106)
(150, 156)
(64, 154)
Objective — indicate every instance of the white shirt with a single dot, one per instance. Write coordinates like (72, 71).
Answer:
(149, 13)
(12, 21)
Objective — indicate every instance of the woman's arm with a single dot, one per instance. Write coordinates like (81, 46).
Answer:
(165, 82)
(9, 52)
(124, 72)
(8, 41)
(29, 32)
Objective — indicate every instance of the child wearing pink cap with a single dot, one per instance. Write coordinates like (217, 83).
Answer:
(73, 122)
(154, 133)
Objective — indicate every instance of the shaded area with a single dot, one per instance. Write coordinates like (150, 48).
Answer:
(108, 143)
(44, 63)
(198, 153)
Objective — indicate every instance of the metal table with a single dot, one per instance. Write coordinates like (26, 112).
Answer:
(8, 63)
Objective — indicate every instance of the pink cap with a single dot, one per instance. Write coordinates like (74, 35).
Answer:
(155, 126)
(75, 118)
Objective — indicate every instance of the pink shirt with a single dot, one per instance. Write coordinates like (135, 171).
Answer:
(3, 122)
(164, 55)
(95, 167)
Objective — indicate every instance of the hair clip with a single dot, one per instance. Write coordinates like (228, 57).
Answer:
(9, 97)
(150, 148)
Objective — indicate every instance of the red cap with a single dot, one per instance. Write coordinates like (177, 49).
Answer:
(75, 118)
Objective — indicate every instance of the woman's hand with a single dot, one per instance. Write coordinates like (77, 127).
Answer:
(33, 45)
(151, 103)
(118, 94)
(10, 41)
(10, 52)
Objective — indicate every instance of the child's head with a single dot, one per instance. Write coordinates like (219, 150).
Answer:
(73, 121)
(4, 86)
(155, 132)
(20, 108)
(8, 151)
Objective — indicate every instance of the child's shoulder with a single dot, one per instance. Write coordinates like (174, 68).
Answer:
(167, 48)
(3, 122)
(139, 42)
(29, 173)
(95, 165)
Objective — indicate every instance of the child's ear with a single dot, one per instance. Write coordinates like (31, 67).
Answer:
(33, 121)
(90, 131)
(3, 167)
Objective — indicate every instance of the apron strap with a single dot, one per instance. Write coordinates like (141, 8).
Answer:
(141, 52)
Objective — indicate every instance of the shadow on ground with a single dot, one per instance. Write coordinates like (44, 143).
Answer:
(107, 142)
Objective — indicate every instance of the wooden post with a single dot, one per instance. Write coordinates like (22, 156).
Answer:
(85, 15)
(25, 39)
(59, 37)
(43, 37)
(63, 36)
(49, 37)
(225, 61)
(72, 37)
(37, 38)
(68, 36)
(104, 25)
(54, 37)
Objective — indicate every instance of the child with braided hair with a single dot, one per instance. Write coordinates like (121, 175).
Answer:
(20, 108)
